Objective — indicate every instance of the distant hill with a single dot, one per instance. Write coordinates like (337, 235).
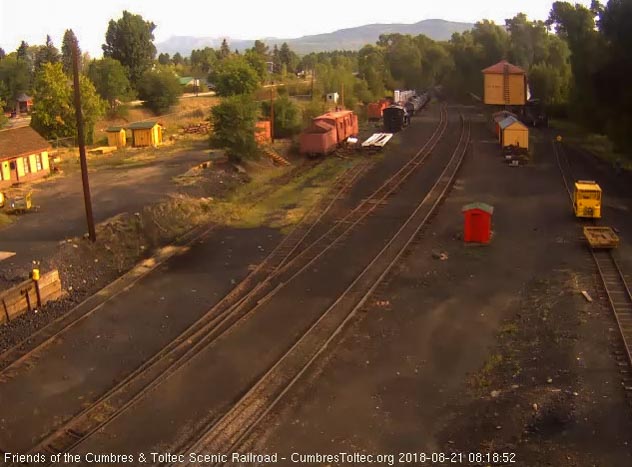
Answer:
(344, 39)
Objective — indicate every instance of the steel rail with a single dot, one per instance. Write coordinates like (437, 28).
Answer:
(113, 404)
(225, 434)
(610, 273)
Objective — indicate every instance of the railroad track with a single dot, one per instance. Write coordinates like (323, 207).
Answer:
(610, 274)
(279, 268)
(232, 429)
(27, 348)
(116, 399)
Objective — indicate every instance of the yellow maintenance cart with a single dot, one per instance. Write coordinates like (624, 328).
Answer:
(15, 202)
(587, 199)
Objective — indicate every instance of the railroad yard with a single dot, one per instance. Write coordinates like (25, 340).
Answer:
(369, 328)
(392, 244)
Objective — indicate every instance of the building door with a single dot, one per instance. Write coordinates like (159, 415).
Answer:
(13, 169)
(478, 227)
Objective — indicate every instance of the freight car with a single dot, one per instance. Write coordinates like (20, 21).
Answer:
(327, 132)
(396, 118)
(416, 103)
(401, 97)
(375, 109)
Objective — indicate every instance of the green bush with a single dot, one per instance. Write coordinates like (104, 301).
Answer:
(160, 89)
(234, 121)
(235, 76)
(287, 117)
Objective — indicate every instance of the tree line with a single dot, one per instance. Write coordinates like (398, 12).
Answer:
(577, 63)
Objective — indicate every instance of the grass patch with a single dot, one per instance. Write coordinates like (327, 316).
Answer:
(124, 158)
(264, 201)
(482, 378)
(597, 144)
(5, 219)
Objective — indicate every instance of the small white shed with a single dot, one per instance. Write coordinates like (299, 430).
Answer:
(333, 97)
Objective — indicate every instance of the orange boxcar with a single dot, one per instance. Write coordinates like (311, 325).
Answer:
(263, 132)
(374, 109)
(328, 131)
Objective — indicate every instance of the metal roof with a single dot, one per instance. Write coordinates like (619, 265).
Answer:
(142, 125)
(509, 121)
(587, 185)
(114, 129)
(477, 205)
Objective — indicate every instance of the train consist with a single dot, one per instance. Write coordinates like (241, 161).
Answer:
(327, 132)
(407, 103)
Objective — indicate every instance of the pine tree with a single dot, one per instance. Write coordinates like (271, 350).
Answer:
(68, 43)
(224, 50)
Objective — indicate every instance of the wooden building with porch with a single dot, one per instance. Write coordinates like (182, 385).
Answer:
(23, 156)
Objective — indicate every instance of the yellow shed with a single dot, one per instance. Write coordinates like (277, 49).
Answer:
(146, 134)
(505, 84)
(513, 133)
(116, 136)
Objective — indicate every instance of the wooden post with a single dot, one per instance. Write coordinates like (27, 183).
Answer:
(272, 114)
(342, 97)
(82, 144)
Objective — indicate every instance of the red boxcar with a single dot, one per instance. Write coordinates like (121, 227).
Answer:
(328, 131)
(374, 109)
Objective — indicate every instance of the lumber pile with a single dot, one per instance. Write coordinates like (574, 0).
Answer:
(201, 128)
(29, 295)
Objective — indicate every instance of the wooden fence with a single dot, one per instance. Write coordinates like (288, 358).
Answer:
(29, 295)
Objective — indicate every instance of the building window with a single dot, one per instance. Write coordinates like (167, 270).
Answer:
(38, 162)
(25, 163)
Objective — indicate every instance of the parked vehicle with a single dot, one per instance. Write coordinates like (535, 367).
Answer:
(375, 109)
(587, 199)
(396, 118)
(327, 132)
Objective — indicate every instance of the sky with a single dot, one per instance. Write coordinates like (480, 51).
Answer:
(31, 20)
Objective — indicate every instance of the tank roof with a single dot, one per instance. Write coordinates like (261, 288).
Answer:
(499, 68)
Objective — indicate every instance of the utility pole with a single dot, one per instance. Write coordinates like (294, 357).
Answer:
(272, 114)
(313, 77)
(82, 144)
(342, 97)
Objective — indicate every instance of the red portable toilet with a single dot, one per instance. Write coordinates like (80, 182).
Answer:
(478, 222)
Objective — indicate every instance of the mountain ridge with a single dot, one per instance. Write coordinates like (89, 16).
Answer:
(343, 39)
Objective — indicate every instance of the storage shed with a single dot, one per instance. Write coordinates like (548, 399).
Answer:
(498, 117)
(504, 84)
(478, 222)
(513, 133)
(146, 134)
(23, 156)
(263, 132)
(332, 98)
(117, 136)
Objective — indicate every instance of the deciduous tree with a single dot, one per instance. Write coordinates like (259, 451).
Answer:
(234, 121)
(110, 80)
(235, 76)
(53, 113)
(130, 40)
(160, 89)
